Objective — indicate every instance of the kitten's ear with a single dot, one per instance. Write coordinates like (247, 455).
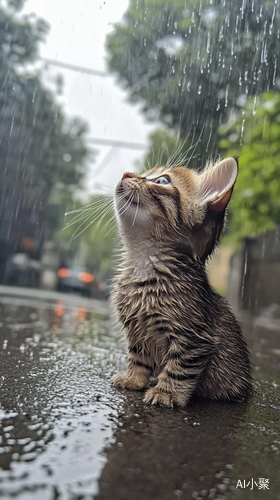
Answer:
(216, 184)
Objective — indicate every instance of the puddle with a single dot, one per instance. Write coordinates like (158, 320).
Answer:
(66, 434)
(58, 411)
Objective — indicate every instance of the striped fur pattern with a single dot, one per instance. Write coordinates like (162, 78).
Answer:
(182, 337)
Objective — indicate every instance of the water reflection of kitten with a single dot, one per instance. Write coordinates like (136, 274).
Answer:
(179, 330)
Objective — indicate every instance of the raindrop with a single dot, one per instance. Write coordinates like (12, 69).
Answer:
(254, 105)
(242, 129)
(236, 24)
(67, 157)
(274, 72)
(272, 21)
(208, 43)
(199, 90)
(226, 96)
(241, 100)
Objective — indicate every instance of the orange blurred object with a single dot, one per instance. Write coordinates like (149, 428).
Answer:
(27, 243)
(86, 277)
(63, 272)
(59, 308)
(81, 314)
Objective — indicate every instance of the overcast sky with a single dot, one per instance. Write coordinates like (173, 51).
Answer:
(77, 35)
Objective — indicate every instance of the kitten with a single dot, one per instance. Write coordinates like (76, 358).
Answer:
(179, 330)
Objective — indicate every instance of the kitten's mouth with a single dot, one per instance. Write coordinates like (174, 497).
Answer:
(129, 200)
(128, 197)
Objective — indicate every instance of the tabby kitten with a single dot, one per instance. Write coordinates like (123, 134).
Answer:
(179, 330)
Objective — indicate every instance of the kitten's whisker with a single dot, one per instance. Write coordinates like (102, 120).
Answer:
(175, 153)
(91, 204)
(77, 219)
(111, 229)
(91, 212)
(180, 160)
(93, 215)
(78, 233)
(94, 212)
(153, 156)
(176, 148)
(197, 142)
(160, 158)
(124, 196)
(183, 157)
(136, 211)
(126, 205)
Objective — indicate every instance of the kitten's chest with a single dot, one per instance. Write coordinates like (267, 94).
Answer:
(141, 307)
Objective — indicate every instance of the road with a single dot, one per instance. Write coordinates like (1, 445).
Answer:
(66, 434)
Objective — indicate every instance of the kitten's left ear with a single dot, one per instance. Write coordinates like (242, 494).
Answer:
(216, 184)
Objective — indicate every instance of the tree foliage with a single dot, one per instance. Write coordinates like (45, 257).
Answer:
(190, 63)
(165, 147)
(41, 150)
(255, 136)
(95, 225)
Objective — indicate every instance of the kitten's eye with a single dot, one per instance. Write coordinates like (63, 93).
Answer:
(162, 180)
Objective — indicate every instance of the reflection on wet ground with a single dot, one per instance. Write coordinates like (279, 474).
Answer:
(57, 408)
(66, 434)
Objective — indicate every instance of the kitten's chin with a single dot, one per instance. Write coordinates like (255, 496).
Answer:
(132, 215)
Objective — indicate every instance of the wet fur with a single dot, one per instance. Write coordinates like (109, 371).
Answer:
(180, 332)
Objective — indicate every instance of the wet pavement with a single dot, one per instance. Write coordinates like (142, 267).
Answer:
(66, 434)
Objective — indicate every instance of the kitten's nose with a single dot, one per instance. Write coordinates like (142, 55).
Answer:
(127, 174)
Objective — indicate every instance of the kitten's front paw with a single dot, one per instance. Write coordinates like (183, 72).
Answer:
(123, 382)
(118, 381)
(155, 396)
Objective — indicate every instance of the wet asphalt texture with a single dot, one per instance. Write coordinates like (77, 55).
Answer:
(66, 434)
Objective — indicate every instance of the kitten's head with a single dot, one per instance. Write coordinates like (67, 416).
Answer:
(177, 206)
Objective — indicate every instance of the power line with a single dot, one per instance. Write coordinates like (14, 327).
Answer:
(117, 144)
(105, 161)
(73, 67)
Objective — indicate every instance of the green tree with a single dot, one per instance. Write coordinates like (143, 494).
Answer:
(95, 226)
(190, 63)
(255, 136)
(165, 147)
(41, 150)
